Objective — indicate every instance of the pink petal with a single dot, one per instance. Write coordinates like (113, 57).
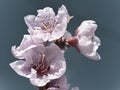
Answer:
(38, 81)
(40, 35)
(88, 42)
(58, 32)
(57, 69)
(61, 26)
(61, 83)
(87, 28)
(53, 52)
(46, 11)
(67, 35)
(30, 21)
(33, 55)
(56, 60)
(62, 14)
(21, 68)
(26, 44)
(89, 47)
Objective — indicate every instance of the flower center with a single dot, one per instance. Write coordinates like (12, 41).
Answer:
(46, 22)
(47, 27)
(42, 67)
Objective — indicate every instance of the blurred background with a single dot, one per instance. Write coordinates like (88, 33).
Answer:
(81, 71)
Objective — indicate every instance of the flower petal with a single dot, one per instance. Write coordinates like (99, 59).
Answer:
(57, 69)
(21, 68)
(28, 42)
(40, 35)
(58, 32)
(63, 13)
(88, 43)
(30, 21)
(67, 35)
(61, 25)
(56, 53)
(88, 47)
(56, 60)
(58, 84)
(46, 11)
(20, 54)
(87, 28)
(38, 81)
(33, 55)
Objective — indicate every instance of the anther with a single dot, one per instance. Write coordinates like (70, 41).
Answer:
(44, 25)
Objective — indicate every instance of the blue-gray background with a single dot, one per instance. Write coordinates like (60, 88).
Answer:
(82, 72)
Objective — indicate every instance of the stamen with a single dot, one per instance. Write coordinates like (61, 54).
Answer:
(44, 25)
(42, 67)
(47, 27)
(42, 57)
(41, 63)
(69, 18)
(44, 70)
(66, 43)
(62, 43)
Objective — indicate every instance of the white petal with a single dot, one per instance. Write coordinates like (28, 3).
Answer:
(16, 53)
(53, 88)
(26, 44)
(87, 28)
(56, 60)
(67, 35)
(30, 21)
(38, 81)
(93, 56)
(61, 26)
(62, 10)
(63, 13)
(40, 35)
(26, 41)
(20, 68)
(58, 32)
(20, 54)
(88, 42)
(37, 39)
(46, 11)
(33, 55)
(60, 82)
(53, 52)
(57, 69)
(88, 47)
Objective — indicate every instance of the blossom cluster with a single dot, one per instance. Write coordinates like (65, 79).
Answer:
(41, 52)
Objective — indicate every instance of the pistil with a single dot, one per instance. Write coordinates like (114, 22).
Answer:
(42, 68)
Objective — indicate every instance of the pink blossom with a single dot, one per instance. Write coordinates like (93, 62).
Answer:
(41, 65)
(85, 40)
(46, 25)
